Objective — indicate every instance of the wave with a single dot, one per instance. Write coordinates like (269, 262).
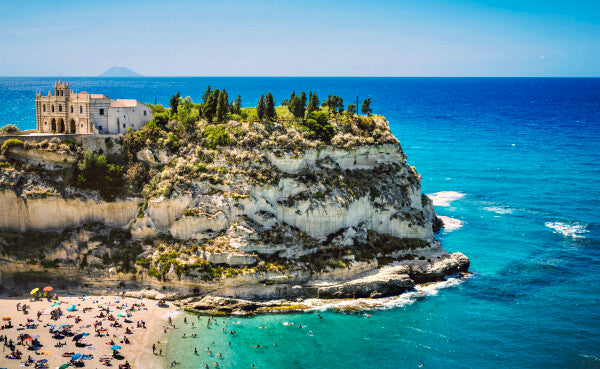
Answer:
(573, 229)
(499, 209)
(444, 198)
(451, 224)
(407, 298)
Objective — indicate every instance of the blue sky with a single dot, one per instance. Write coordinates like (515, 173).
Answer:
(301, 38)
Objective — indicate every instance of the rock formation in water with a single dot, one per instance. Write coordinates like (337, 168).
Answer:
(239, 210)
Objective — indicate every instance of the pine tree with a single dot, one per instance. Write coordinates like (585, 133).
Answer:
(237, 105)
(270, 107)
(209, 108)
(366, 107)
(313, 103)
(260, 108)
(222, 106)
(175, 103)
(329, 103)
(206, 94)
(303, 103)
(351, 109)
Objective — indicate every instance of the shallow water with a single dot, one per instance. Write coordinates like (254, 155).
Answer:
(523, 153)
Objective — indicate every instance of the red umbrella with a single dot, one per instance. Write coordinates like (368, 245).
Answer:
(28, 339)
(47, 289)
(6, 318)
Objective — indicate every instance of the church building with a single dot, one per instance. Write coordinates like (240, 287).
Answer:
(85, 113)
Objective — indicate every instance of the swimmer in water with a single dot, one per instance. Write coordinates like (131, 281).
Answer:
(257, 346)
(310, 333)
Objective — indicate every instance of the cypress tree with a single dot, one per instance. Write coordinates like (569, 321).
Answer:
(270, 107)
(237, 105)
(313, 103)
(260, 108)
(303, 103)
(206, 94)
(174, 103)
(209, 108)
(222, 106)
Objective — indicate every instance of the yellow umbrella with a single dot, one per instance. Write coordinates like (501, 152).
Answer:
(34, 291)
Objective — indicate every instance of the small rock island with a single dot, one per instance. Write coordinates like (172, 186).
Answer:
(223, 208)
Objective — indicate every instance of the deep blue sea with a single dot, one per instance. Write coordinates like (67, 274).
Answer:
(518, 163)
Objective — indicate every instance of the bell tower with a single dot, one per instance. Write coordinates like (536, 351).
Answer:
(62, 89)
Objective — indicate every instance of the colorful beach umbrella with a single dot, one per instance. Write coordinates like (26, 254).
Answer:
(33, 291)
(48, 289)
(71, 308)
(121, 314)
(6, 318)
(77, 356)
(64, 366)
(115, 347)
(28, 339)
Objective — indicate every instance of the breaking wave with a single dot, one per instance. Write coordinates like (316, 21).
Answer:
(499, 209)
(407, 298)
(444, 198)
(574, 230)
(450, 224)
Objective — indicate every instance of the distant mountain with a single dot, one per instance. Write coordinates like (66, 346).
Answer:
(119, 72)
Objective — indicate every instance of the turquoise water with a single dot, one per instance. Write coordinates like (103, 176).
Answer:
(525, 155)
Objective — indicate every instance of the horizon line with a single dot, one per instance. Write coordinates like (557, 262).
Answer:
(291, 76)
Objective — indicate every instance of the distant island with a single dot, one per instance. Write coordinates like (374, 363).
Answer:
(118, 71)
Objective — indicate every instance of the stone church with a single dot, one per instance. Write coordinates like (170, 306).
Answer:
(85, 113)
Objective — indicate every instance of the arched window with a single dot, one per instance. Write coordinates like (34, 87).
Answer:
(59, 107)
(53, 108)
(80, 109)
(44, 107)
(71, 108)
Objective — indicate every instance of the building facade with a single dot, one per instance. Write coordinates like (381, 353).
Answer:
(85, 113)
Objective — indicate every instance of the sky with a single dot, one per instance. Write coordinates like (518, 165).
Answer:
(301, 38)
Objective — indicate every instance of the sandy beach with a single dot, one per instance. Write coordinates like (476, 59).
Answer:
(86, 325)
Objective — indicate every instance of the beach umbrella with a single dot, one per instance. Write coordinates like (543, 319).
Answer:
(6, 318)
(48, 289)
(28, 339)
(33, 291)
(71, 308)
(36, 336)
(76, 356)
(77, 337)
(115, 347)
(121, 314)
(64, 366)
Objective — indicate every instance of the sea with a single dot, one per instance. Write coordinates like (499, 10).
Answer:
(513, 166)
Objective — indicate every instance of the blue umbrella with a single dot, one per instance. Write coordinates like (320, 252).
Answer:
(115, 347)
(76, 356)
(71, 308)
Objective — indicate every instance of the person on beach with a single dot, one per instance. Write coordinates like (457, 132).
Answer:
(154, 348)
(195, 351)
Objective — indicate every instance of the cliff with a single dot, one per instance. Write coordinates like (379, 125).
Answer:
(266, 213)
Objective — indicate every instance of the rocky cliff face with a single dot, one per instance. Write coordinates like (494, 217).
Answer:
(258, 223)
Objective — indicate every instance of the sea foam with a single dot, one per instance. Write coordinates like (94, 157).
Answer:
(574, 230)
(444, 198)
(450, 224)
(499, 209)
(407, 298)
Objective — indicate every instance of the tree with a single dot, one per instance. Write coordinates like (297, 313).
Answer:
(260, 108)
(336, 103)
(237, 105)
(222, 106)
(209, 108)
(366, 107)
(270, 107)
(206, 94)
(303, 100)
(351, 109)
(318, 126)
(175, 103)
(329, 103)
(9, 128)
(313, 103)
(295, 107)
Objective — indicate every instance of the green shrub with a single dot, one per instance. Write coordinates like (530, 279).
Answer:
(11, 142)
(216, 135)
(318, 126)
(72, 144)
(93, 172)
(8, 129)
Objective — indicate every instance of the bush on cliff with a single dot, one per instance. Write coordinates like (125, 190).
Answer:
(11, 142)
(9, 129)
(93, 172)
(216, 136)
(317, 125)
